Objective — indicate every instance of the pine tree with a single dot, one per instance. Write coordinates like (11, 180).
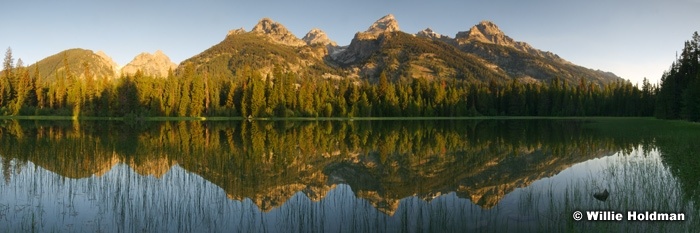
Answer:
(6, 79)
(197, 95)
(256, 95)
(23, 89)
(230, 104)
(90, 87)
(38, 87)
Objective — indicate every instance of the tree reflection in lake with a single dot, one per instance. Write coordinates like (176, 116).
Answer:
(312, 176)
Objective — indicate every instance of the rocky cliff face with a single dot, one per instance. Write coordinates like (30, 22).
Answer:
(157, 64)
(277, 33)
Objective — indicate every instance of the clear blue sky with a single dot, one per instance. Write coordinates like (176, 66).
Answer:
(633, 39)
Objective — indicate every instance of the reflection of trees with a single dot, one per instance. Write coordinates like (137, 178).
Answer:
(268, 162)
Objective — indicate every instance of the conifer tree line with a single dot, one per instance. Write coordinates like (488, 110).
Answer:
(288, 94)
(679, 92)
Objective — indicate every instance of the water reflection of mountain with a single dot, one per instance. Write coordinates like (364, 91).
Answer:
(269, 162)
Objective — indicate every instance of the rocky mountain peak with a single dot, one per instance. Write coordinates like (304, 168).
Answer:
(159, 53)
(267, 25)
(489, 33)
(156, 64)
(486, 32)
(317, 36)
(277, 32)
(488, 27)
(386, 24)
(429, 33)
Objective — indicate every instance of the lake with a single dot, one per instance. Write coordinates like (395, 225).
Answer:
(492, 175)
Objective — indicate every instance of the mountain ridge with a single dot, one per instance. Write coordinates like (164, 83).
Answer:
(482, 53)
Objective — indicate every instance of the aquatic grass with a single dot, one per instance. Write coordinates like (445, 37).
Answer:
(636, 182)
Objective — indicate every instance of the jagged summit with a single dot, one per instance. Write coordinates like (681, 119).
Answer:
(156, 64)
(489, 33)
(429, 33)
(277, 32)
(386, 24)
(486, 32)
(318, 36)
(267, 25)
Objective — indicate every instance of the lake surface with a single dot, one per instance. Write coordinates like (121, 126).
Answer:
(344, 176)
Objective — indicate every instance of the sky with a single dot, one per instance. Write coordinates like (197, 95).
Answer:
(633, 39)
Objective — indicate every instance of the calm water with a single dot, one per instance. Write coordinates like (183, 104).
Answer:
(405, 176)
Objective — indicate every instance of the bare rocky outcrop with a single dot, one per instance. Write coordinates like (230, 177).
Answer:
(156, 64)
(277, 33)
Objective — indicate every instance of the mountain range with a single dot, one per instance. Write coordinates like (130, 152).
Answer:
(483, 53)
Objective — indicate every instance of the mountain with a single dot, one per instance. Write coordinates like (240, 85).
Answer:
(277, 33)
(382, 47)
(157, 64)
(430, 34)
(318, 36)
(483, 53)
(385, 24)
(267, 46)
(100, 65)
(364, 44)
(522, 61)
